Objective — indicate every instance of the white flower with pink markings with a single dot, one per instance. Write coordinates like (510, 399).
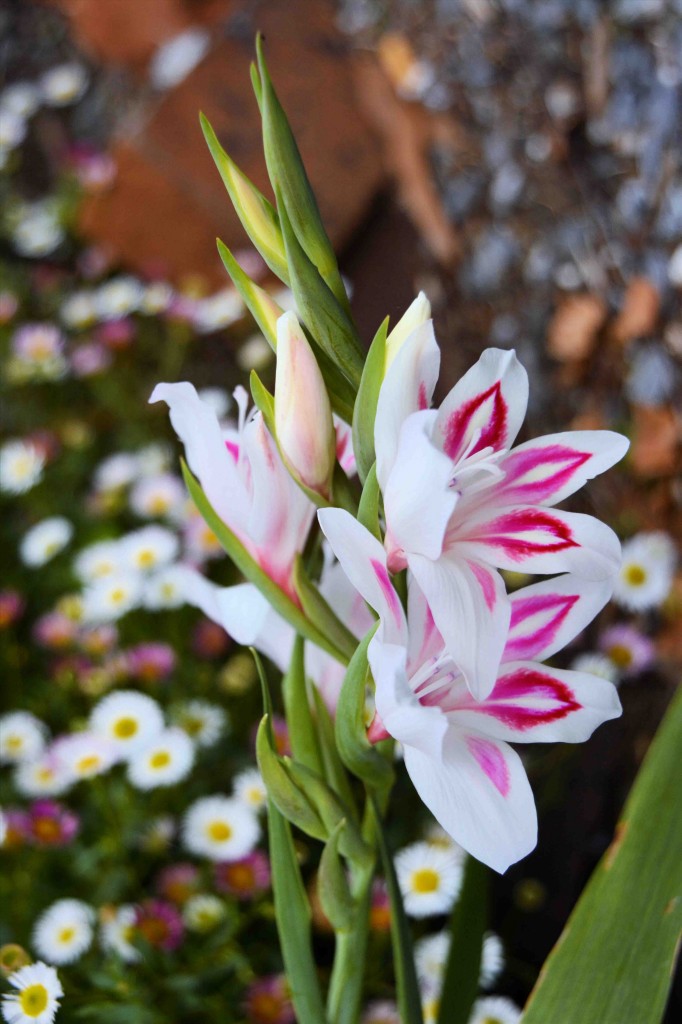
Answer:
(456, 747)
(460, 503)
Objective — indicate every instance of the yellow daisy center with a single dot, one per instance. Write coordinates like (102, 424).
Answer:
(158, 505)
(620, 655)
(33, 1000)
(88, 764)
(15, 743)
(124, 728)
(146, 559)
(160, 759)
(118, 595)
(635, 575)
(66, 934)
(219, 831)
(425, 880)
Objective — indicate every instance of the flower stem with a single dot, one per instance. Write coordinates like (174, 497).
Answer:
(346, 984)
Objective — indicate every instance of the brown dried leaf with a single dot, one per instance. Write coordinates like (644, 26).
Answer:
(574, 327)
(639, 313)
(656, 434)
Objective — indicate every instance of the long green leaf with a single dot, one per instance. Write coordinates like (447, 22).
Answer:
(258, 215)
(321, 311)
(365, 409)
(409, 1000)
(332, 884)
(253, 572)
(614, 962)
(263, 308)
(303, 736)
(368, 510)
(320, 613)
(287, 173)
(467, 927)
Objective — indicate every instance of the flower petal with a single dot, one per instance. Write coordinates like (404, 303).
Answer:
(471, 609)
(532, 703)
(546, 470)
(417, 498)
(531, 539)
(363, 560)
(548, 615)
(485, 408)
(407, 387)
(479, 793)
(197, 426)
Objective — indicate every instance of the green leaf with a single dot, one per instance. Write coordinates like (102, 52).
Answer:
(332, 884)
(282, 789)
(256, 85)
(287, 173)
(253, 572)
(356, 752)
(331, 809)
(263, 308)
(321, 311)
(319, 612)
(258, 216)
(614, 962)
(302, 728)
(365, 411)
(368, 510)
(292, 913)
(467, 927)
(409, 999)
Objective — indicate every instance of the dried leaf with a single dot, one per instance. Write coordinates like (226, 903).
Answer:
(574, 328)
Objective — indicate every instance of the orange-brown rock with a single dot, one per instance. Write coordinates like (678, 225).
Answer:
(574, 327)
(639, 312)
(168, 204)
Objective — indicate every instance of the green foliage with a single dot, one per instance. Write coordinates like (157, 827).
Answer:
(467, 926)
(365, 410)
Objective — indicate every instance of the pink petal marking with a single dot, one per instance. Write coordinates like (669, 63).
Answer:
(486, 583)
(493, 431)
(388, 590)
(491, 761)
(527, 698)
(506, 532)
(548, 611)
(546, 471)
(377, 730)
(233, 449)
(422, 400)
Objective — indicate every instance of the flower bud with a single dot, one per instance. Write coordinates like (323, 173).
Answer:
(303, 415)
(416, 314)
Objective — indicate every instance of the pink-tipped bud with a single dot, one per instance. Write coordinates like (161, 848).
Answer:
(303, 415)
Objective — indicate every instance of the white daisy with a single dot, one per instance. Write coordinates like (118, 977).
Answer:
(97, 561)
(174, 59)
(45, 540)
(596, 664)
(83, 755)
(45, 776)
(118, 297)
(431, 954)
(220, 828)
(166, 588)
(37, 231)
(117, 470)
(152, 459)
(429, 877)
(39, 350)
(202, 721)
(203, 912)
(108, 599)
(157, 496)
(22, 737)
(495, 1010)
(382, 1011)
(128, 719)
(166, 760)
(157, 298)
(63, 932)
(150, 548)
(249, 789)
(116, 933)
(64, 84)
(219, 310)
(646, 573)
(78, 310)
(200, 541)
(12, 130)
(37, 995)
(21, 466)
(22, 98)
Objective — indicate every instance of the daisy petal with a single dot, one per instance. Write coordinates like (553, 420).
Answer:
(531, 539)
(479, 793)
(407, 387)
(546, 470)
(471, 609)
(363, 560)
(485, 408)
(532, 703)
(546, 616)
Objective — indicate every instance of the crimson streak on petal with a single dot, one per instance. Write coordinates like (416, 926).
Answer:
(493, 432)
(548, 698)
(506, 532)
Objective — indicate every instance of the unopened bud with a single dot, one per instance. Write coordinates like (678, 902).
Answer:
(416, 314)
(303, 415)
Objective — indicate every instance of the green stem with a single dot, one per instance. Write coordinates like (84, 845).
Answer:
(346, 984)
